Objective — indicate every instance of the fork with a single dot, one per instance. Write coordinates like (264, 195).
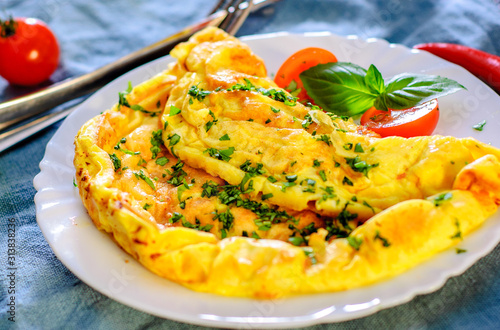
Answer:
(227, 14)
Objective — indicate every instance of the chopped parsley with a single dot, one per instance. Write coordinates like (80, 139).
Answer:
(174, 110)
(309, 252)
(253, 171)
(325, 138)
(224, 155)
(176, 217)
(142, 162)
(271, 179)
(347, 181)
(479, 126)
(210, 123)
(296, 240)
(174, 139)
(182, 188)
(287, 185)
(275, 110)
(307, 121)
(225, 137)
(354, 242)
(459, 251)
(162, 161)
(122, 101)
(369, 206)
(117, 163)
(177, 174)
(345, 216)
(277, 95)
(209, 189)
(232, 195)
(322, 175)
(197, 225)
(156, 142)
(358, 165)
(458, 233)
(128, 152)
(198, 93)
(347, 146)
(440, 199)
(310, 185)
(141, 175)
(266, 196)
(317, 163)
(328, 193)
(227, 220)
(358, 148)
(385, 242)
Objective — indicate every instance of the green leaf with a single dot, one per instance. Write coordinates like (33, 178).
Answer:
(174, 110)
(374, 80)
(354, 242)
(161, 161)
(479, 126)
(225, 137)
(348, 89)
(407, 90)
(340, 87)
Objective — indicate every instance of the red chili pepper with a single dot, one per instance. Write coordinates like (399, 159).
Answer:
(483, 65)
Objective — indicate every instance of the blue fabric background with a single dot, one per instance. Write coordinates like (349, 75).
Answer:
(93, 33)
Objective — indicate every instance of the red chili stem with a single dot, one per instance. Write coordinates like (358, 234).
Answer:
(483, 65)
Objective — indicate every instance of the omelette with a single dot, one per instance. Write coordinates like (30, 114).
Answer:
(213, 177)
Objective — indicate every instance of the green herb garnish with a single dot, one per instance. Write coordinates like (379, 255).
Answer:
(117, 163)
(225, 137)
(156, 142)
(479, 126)
(141, 175)
(224, 155)
(440, 199)
(348, 89)
(354, 242)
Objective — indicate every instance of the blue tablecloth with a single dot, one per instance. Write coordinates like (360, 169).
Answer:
(93, 33)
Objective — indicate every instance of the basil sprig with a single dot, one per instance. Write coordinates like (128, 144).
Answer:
(347, 89)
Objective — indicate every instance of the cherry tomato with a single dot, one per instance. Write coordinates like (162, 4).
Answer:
(29, 52)
(302, 60)
(417, 121)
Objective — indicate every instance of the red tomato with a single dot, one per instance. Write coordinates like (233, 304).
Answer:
(29, 52)
(417, 121)
(299, 62)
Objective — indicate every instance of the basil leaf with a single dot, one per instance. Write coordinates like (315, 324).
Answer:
(407, 90)
(339, 87)
(374, 80)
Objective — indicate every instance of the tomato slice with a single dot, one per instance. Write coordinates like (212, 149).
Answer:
(416, 121)
(302, 60)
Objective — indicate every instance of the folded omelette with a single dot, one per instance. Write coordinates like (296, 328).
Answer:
(213, 177)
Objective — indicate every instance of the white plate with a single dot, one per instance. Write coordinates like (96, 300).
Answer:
(96, 260)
